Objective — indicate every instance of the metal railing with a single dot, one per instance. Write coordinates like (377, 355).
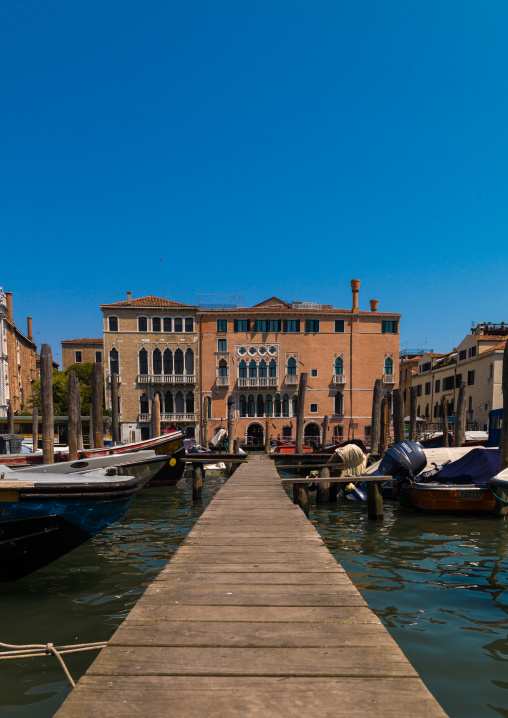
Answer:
(166, 378)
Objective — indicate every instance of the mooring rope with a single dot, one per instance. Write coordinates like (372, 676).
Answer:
(32, 650)
(498, 497)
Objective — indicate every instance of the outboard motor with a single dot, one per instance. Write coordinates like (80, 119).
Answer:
(403, 461)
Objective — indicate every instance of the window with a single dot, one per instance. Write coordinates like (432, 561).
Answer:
(448, 383)
(491, 371)
(268, 405)
(242, 370)
(278, 405)
(78, 357)
(339, 326)
(251, 406)
(470, 404)
(142, 324)
(425, 367)
(189, 362)
(143, 363)
(285, 405)
(167, 324)
(272, 368)
(338, 367)
(338, 432)
(179, 361)
(143, 404)
(338, 407)
(470, 378)
(240, 325)
(260, 405)
(419, 390)
(113, 324)
(168, 361)
(428, 385)
(274, 325)
(405, 374)
(436, 410)
(262, 368)
(291, 366)
(313, 408)
(98, 356)
(294, 404)
(471, 352)
(261, 325)
(157, 361)
(388, 366)
(113, 362)
(179, 403)
(178, 324)
(156, 324)
(253, 369)
(223, 368)
(291, 325)
(458, 380)
(389, 327)
(242, 405)
(189, 324)
(312, 325)
(313, 372)
(222, 325)
(168, 403)
(189, 403)
(462, 355)
(438, 385)
(222, 345)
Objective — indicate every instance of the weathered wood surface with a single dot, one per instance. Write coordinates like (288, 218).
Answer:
(252, 616)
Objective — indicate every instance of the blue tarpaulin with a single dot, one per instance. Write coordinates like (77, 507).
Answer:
(477, 467)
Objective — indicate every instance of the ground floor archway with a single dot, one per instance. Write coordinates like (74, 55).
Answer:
(312, 434)
(255, 434)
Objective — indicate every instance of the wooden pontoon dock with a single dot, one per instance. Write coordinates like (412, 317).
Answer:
(251, 616)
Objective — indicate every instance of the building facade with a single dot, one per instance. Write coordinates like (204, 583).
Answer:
(81, 351)
(249, 359)
(18, 359)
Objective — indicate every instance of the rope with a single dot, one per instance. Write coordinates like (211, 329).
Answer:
(498, 497)
(32, 650)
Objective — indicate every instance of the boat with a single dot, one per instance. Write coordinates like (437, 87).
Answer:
(44, 516)
(217, 470)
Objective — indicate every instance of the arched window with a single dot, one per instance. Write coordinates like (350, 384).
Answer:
(260, 406)
(253, 369)
(189, 362)
(338, 403)
(242, 405)
(179, 402)
(168, 361)
(294, 404)
(291, 369)
(223, 367)
(268, 405)
(168, 403)
(277, 405)
(179, 361)
(242, 369)
(143, 362)
(144, 407)
(388, 366)
(251, 406)
(272, 368)
(262, 368)
(157, 361)
(114, 365)
(189, 402)
(285, 405)
(338, 367)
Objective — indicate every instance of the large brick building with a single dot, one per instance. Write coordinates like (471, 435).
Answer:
(81, 351)
(251, 358)
(18, 358)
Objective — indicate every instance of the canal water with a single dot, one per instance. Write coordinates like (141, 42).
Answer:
(437, 583)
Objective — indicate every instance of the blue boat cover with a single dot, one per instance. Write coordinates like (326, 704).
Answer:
(477, 467)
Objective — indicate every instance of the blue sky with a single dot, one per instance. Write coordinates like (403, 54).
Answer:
(257, 149)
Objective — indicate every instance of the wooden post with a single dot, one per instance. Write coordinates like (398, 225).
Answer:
(460, 419)
(323, 488)
(412, 413)
(115, 433)
(197, 482)
(301, 497)
(204, 438)
(79, 430)
(376, 417)
(398, 416)
(156, 416)
(325, 432)
(48, 422)
(300, 416)
(91, 434)
(383, 439)
(267, 435)
(501, 509)
(73, 413)
(236, 445)
(97, 405)
(10, 419)
(231, 431)
(35, 429)
(333, 496)
(444, 414)
(374, 500)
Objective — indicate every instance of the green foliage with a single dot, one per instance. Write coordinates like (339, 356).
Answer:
(60, 380)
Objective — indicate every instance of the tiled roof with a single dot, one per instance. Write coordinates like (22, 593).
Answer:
(82, 341)
(487, 338)
(285, 310)
(497, 348)
(148, 302)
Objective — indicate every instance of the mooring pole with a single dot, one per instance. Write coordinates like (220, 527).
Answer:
(325, 432)
(460, 419)
(323, 488)
(10, 419)
(444, 413)
(48, 422)
(398, 416)
(375, 428)
(412, 413)
(501, 509)
(300, 415)
(73, 413)
(115, 433)
(97, 405)
(35, 429)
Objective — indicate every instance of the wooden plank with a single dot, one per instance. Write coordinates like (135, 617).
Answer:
(344, 479)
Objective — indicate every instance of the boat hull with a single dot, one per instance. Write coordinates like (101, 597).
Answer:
(163, 471)
(465, 498)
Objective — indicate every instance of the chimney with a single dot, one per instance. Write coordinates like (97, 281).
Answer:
(355, 288)
(373, 305)
(129, 297)
(480, 330)
(10, 316)
(29, 328)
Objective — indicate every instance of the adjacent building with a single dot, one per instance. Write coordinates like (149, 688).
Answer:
(248, 359)
(81, 351)
(18, 359)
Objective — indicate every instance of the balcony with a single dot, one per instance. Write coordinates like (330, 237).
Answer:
(222, 380)
(144, 418)
(261, 382)
(339, 378)
(388, 378)
(179, 417)
(118, 379)
(291, 380)
(166, 378)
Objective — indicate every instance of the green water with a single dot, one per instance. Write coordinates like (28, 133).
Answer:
(438, 584)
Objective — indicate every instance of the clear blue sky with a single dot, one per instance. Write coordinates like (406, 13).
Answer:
(257, 148)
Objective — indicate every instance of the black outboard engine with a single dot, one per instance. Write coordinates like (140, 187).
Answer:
(403, 461)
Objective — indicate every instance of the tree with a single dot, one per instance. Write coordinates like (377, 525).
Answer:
(60, 379)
